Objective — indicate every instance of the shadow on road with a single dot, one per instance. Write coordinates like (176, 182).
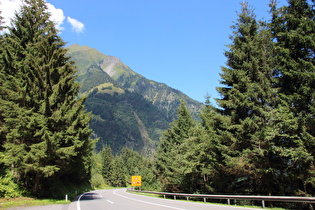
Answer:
(88, 196)
(91, 196)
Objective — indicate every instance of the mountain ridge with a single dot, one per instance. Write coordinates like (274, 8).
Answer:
(115, 94)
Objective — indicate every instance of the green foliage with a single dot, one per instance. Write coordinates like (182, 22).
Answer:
(294, 33)
(94, 77)
(134, 109)
(116, 171)
(44, 127)
(168, 155)
(107, 163)
(260, 140)
(117, 176)
(136, 164)
(97, 181)
(248, 97)
(127, 118)
(15, 203)
(8, 187)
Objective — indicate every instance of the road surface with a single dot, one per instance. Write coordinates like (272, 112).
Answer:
(119, 199)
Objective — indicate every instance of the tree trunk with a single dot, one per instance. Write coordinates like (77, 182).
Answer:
(37, 183)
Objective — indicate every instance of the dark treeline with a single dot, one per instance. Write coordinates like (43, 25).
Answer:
(116, 171)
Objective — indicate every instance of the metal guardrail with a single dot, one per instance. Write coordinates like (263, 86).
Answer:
(235, 197)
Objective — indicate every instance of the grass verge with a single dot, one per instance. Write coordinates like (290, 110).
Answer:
(27, 202)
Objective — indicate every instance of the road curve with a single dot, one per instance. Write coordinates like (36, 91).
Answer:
(119, 199)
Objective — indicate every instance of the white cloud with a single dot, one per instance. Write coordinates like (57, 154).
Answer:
(57, 15)
(77, 26)
(11, 6)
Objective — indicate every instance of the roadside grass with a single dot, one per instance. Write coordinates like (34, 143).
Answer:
(27, 202)
(196, 201)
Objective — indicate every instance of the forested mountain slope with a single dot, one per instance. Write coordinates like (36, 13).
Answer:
(128, 109)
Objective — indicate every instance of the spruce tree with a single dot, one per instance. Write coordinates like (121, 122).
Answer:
(197, 162)
(107, 162)
(213, 150)
(2, 78)
(168, 160)
(117, 175)
(293, 30)
(46, 127)
(246, 103)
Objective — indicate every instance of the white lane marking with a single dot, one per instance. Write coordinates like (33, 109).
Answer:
(156, 204)
(78, 202)
(110, 201)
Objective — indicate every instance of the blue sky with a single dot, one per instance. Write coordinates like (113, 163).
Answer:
(176, 42)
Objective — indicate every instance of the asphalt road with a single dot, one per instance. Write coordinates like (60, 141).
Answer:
(119, 199)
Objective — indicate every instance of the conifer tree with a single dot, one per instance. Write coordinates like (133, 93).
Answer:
(2, 79)
(46, 129)
(168, 159)
(246, 103)
(293, 30)
(132, 162)
(117, 172)
(197, 162)
(212, 150)
(107, 162)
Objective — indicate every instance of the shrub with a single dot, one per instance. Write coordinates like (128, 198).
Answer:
(97, 181)
(8, 187)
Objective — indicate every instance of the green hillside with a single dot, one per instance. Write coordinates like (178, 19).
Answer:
(128, 110)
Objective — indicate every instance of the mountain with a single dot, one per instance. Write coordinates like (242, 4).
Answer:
(128, 110)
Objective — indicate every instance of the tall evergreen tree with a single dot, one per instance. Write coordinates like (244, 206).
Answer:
(46, 128)
(168, 152)
(213, 150)
(2, 78)
(117, 175)
(107, 162)
(293, 29)
(247, 100)
(197, 162)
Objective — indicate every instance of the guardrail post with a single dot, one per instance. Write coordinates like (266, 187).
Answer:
(164, 196)
(187, 198)
(263, 204)
(229, 202)
(205, 200)
(174, 197)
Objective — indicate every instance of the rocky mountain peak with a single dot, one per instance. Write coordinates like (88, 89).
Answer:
(127, 109)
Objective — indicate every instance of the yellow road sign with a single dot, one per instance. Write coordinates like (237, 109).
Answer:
(136, 181)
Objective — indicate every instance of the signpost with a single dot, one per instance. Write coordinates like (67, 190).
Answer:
(136, 181)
